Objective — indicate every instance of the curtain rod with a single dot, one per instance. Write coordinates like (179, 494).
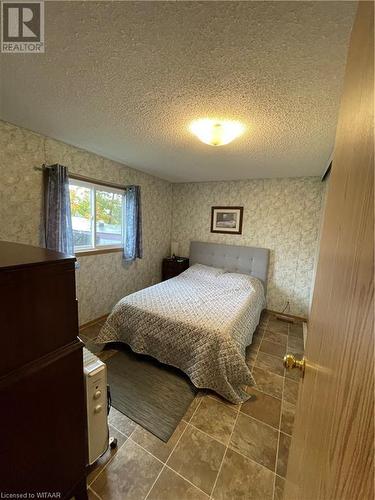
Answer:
(78, 177)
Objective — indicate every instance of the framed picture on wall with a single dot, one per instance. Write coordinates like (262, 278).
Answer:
(226, 220)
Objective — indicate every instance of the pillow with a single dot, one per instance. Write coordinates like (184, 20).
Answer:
(242, 280)
(201, 270)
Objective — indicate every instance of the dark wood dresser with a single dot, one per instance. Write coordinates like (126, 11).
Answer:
(173, 266)
(42, 405)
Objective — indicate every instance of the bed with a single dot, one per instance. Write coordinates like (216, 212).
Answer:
(200, 321)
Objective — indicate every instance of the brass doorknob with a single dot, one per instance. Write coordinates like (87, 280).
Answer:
(291, 362)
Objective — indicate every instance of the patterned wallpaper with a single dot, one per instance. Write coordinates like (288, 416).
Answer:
(102, 279)
(280, 214)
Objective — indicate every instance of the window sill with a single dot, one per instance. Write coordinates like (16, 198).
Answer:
(97, 251)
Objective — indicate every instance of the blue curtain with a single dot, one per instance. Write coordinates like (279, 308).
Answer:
(58, 221)
(132, 223)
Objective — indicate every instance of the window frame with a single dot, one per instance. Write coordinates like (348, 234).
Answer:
(94, 187)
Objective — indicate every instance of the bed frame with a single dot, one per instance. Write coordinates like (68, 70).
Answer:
(233, 258)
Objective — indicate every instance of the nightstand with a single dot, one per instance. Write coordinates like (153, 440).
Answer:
(173, 266)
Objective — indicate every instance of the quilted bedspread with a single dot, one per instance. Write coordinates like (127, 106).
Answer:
(200, 322)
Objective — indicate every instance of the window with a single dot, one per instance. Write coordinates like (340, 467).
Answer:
(96, 215)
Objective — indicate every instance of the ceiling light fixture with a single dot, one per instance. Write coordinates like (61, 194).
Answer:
(216, 132)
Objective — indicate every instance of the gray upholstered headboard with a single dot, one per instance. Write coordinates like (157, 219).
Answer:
(240, 259)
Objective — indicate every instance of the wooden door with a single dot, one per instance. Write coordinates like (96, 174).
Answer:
(331, 455)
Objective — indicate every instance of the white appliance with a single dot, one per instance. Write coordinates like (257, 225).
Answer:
(95, 372)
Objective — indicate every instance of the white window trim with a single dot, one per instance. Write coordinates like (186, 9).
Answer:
(100, 187)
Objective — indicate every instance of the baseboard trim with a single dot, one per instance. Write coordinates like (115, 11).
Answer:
(93, 321)
(304, 325)
(291, 316)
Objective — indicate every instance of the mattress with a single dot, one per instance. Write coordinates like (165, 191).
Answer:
(200, 322)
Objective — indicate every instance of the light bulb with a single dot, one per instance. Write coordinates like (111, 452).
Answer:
(216, 132)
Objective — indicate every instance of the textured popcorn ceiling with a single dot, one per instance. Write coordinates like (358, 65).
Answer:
(124, 79)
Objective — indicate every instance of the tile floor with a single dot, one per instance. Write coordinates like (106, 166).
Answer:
(219, 450)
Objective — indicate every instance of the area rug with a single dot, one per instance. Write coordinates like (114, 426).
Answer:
(154, 395)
